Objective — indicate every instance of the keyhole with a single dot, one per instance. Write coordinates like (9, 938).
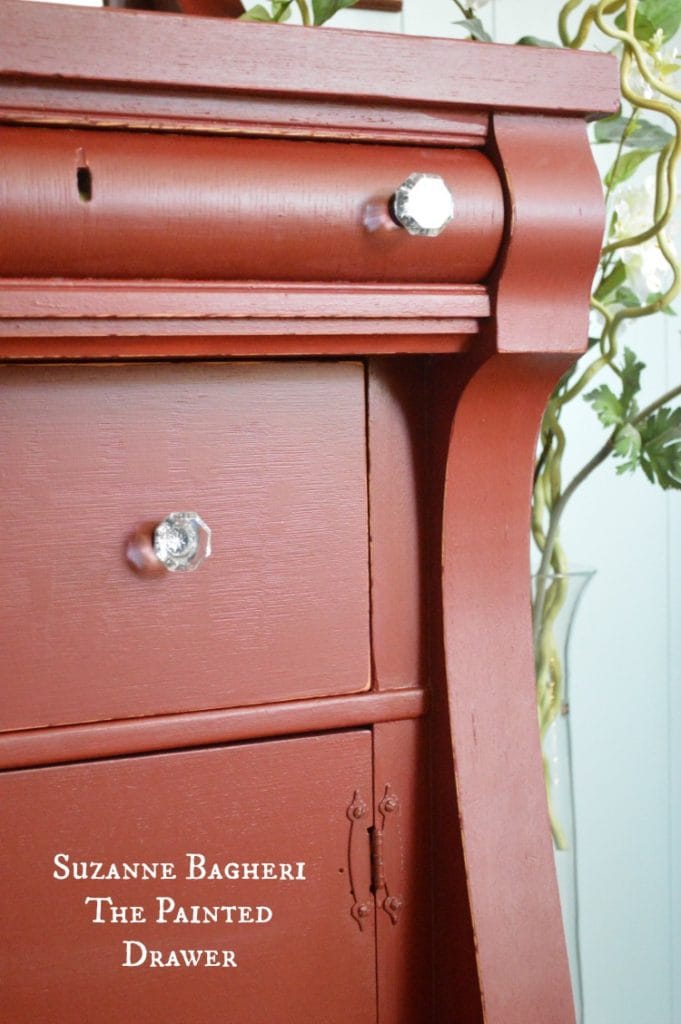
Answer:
(84, 183)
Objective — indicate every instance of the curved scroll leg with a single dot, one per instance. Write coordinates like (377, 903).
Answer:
(516, 921)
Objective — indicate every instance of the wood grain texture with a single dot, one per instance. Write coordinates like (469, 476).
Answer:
(226, 209)
(272, 457)
(398, 453)
(33, 747)
(455, 970)
(555, 228)
(520, 948)
(138, 340)
(311, 962)
(107, 104)
(404, 945)
(85, 45)
(78, 299)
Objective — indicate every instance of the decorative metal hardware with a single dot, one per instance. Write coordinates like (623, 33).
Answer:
(361, 908)
(391, 903)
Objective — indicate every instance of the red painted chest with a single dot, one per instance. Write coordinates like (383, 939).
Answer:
(318, 314)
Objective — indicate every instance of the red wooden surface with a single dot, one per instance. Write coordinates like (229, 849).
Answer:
(117, 48)
(271, 456)
(520, 948)
(455, 968)
(29, 747)
(199, 339)
(497, 952)
(544, 277)
(275, 301)
(233, 209)
(502, 809)
(276, 802)
(53, 101)
(397, 398)
(404, 934)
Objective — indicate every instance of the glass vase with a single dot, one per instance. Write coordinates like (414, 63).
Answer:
(555, 600)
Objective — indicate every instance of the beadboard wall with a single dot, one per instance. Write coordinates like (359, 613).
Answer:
(626, 660)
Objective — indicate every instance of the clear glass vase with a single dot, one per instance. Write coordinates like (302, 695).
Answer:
(555, 600)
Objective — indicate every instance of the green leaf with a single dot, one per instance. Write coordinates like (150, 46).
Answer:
(667, 310)
(642, 135)
(606, 405)
(257, 13)
(322, 10)
(627, 446)
(631, 381)
(654, 14)
(476, 29)
(626, 297)
(609, 285)
(643, 27)
(281, 10)
(661, 448)
(535, 41)
(625, 166)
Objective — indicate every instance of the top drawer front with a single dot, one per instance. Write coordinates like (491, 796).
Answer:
(134, 205)
(271, 456)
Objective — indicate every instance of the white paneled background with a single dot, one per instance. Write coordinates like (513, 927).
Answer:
(626, 661)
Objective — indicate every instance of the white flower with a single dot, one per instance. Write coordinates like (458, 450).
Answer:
(475, 5)
(647, 269)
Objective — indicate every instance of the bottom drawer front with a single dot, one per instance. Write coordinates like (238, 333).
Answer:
(275, 809)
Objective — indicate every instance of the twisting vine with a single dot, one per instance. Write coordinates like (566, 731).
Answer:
(639, 276)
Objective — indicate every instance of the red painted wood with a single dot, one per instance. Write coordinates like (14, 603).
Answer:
(397, 399)
(492, 706)
(542, 297)
(506, 844)
(33, 747)
(233, 209)
(212, 339)
(402, 812)
(253, 451)
(272, 457)
(311, 962)
(86, 45)
(114, 300)
(50, 100)
(454, 964)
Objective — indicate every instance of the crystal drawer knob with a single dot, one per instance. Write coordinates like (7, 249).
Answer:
(423, 205)
(182, 541)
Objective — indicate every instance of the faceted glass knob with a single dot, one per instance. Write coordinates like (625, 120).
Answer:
(423, 205)
(182, 541)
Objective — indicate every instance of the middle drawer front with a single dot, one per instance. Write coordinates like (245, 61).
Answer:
(271, 456)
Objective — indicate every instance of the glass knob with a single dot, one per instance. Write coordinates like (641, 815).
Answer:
(182, 541)
(423, 205)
